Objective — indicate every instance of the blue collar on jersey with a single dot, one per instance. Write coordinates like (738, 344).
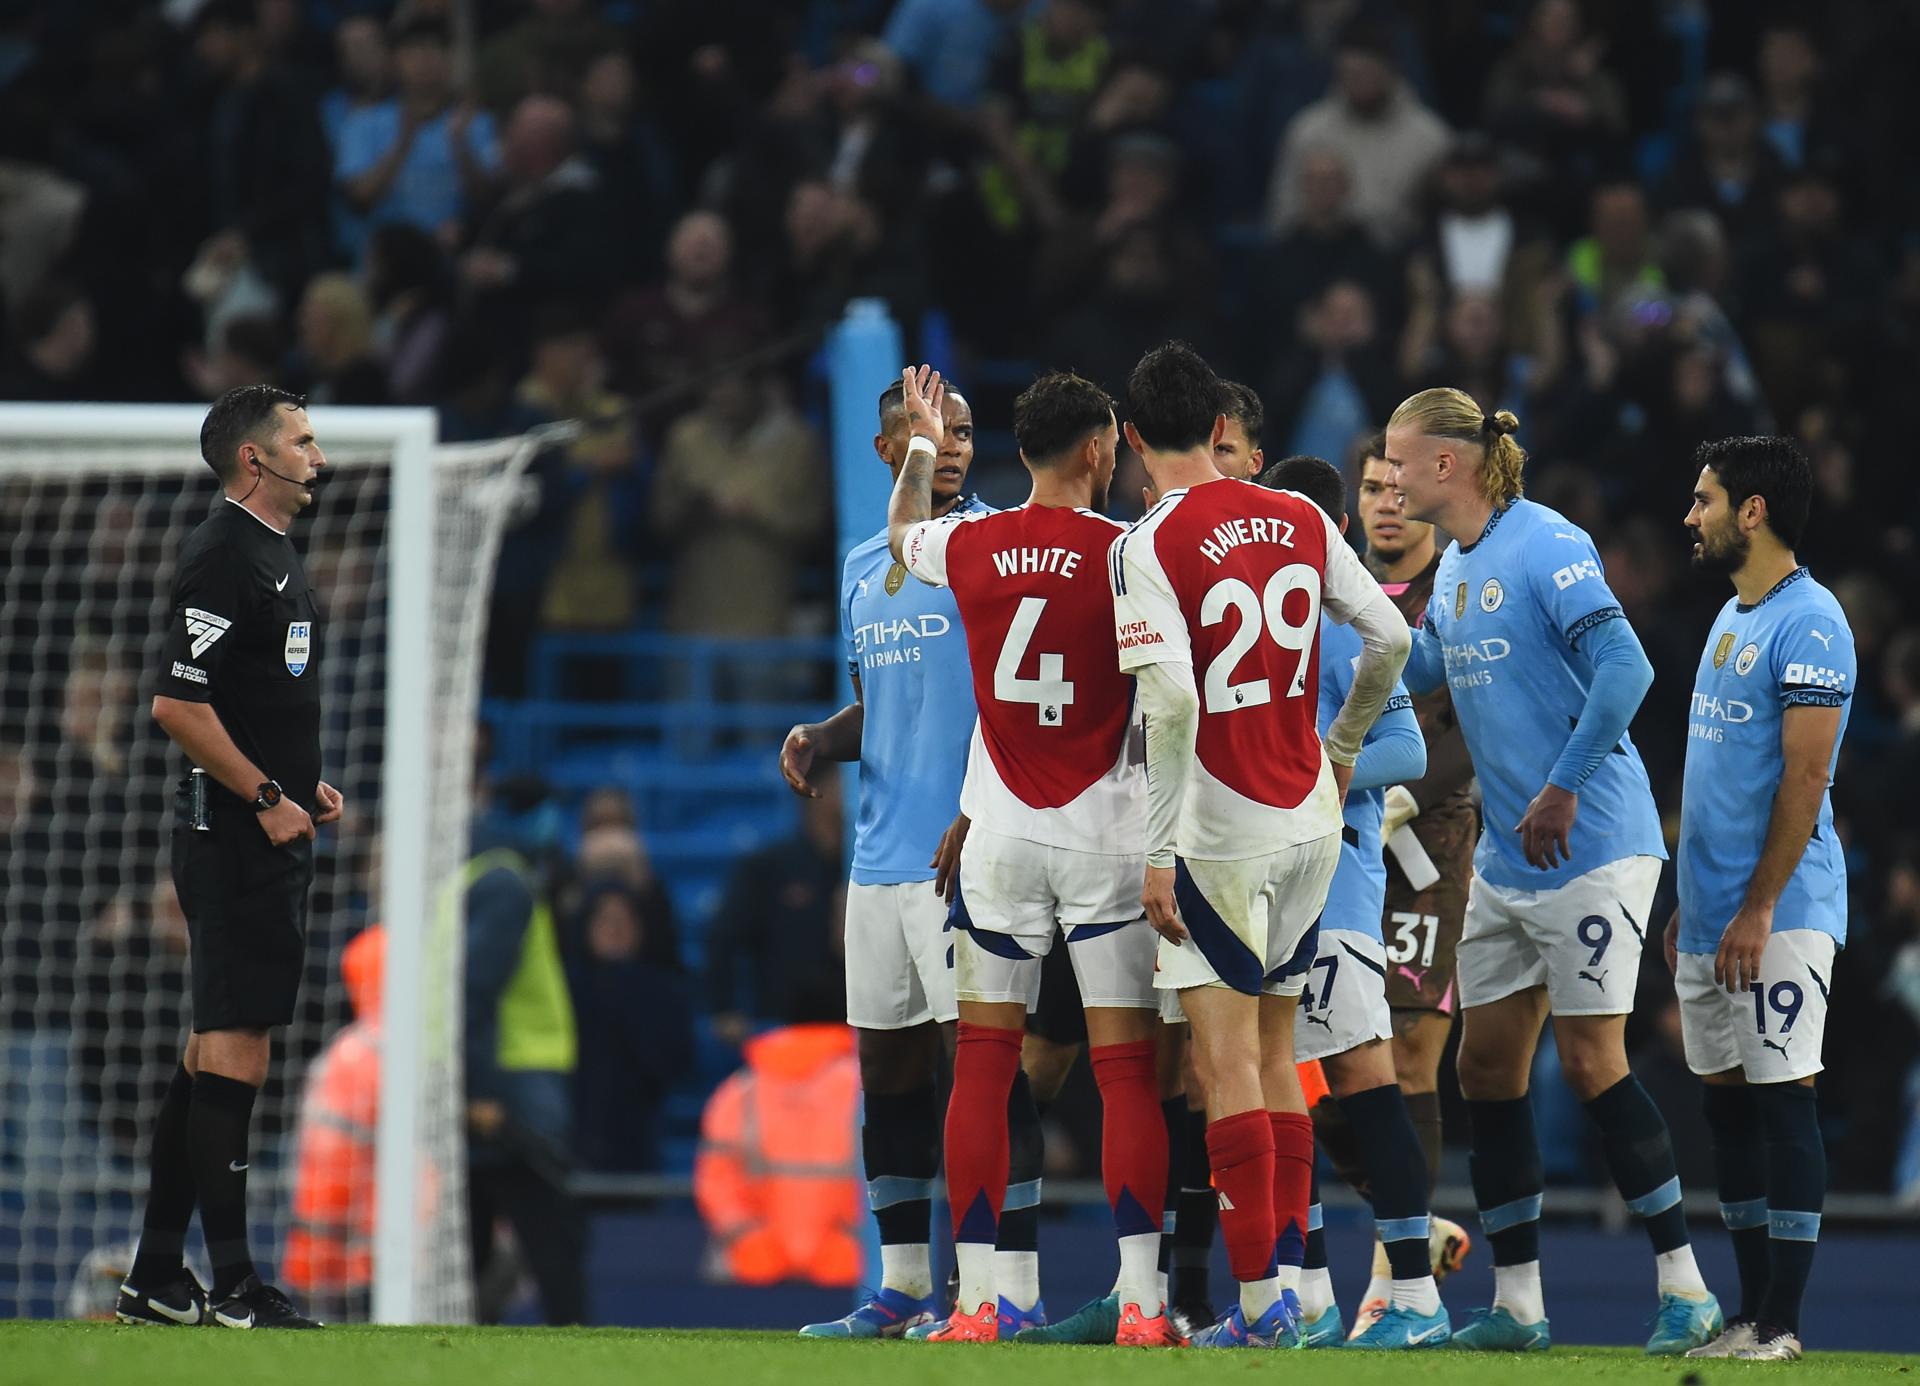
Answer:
(1492, 520)
(1774, 590)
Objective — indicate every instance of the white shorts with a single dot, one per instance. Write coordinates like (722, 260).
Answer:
(1345, 1002)
(1015, 897)
(1581, 940)
(1774, 1032)
(899, 964)
(1250, 923)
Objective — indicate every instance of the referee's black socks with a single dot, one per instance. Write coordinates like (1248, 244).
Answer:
(170, 1194)
(217, 1137)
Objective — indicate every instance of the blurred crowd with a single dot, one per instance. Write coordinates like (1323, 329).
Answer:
(1638, 225)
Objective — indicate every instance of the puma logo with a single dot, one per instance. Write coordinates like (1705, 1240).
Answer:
(281, 585)
(1600, 981)
(1319, 1020)
(1419, 979)
(1825, 639)
(1782, 1046)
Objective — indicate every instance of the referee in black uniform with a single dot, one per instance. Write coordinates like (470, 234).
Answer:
(239, 693)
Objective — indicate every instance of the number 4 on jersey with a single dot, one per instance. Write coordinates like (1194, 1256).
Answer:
(1051, 692)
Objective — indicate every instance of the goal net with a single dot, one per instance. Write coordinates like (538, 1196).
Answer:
(94, 1003)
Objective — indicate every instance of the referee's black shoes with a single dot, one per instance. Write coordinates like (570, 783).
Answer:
(181, 1302)
(255, 1305)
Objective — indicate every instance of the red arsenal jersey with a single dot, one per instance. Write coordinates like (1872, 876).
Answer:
(1050, 761)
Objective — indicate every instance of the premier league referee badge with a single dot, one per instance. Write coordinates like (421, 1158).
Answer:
(299, 646)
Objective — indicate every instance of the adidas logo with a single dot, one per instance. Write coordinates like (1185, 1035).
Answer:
(205, 628)
(1226, 1204)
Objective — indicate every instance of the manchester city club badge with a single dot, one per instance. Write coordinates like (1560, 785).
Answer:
(896, 579)
(1723, 649)
(1744, 664)
(1492, 595)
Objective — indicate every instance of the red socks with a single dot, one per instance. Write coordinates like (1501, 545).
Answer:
(1241, 1150)
(977, 1147)
(1292, 1184)
(1133, 1136)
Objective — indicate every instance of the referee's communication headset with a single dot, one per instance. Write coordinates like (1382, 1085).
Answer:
(312, 487)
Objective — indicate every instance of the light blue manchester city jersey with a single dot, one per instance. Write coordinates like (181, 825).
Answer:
(1791, 648)
(1507, 614)
(1359, 890)
(904, 643)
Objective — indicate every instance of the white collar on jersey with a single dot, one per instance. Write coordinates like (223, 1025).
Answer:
(231, 501)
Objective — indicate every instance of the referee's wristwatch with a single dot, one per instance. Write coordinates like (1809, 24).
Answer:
(267, 796)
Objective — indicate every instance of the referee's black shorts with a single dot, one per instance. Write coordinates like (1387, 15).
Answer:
(246, 906)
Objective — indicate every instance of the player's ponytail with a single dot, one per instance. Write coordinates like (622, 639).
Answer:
(1445, 412)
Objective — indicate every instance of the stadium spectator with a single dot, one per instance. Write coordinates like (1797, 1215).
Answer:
(668, 336)
(133, 972)
(1550, 96)
(950, 45)
(1140, 300)
(633, 163)
(777, 931)
(363, 61)
(635, 1019)
(739, 500)
(1324, 242)
(1809, 294)
(266, 152)
(409, 285)
(1377, 124)
(596, 495)
(1476, 242)
(335, 361)
(545, 53)
(1331, 387)
(546, 235)
(1615, 260)
(1795, 114)
(53, 346)
(1729, 167)
(423, 158)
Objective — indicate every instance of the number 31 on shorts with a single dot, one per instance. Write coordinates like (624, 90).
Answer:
(1407, 929)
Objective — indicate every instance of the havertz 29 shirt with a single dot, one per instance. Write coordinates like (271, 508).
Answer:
(243, 634)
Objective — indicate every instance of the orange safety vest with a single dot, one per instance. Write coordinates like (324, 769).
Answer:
(330, 1243)
(777, 1178)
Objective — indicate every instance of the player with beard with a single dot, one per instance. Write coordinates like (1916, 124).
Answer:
(1763, 876)
(908, 726)
(1056, 801)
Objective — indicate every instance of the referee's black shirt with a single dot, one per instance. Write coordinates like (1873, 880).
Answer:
(244, 635)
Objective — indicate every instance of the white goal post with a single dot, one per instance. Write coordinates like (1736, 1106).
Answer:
(438, 514)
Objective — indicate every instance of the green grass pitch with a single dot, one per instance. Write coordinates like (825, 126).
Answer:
(68, 1354)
